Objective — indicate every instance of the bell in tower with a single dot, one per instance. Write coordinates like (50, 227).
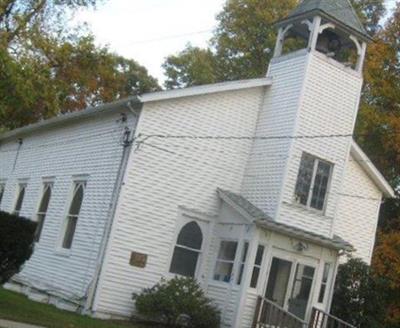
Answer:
(330, 27)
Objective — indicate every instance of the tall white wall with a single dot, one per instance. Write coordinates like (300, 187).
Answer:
(357, 217)
(176, 173)
(328, 107)
(89, 147)
(262, 182)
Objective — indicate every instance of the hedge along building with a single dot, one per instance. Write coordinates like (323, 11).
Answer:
(254, 188)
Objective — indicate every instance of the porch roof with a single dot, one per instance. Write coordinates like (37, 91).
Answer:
(264, 221)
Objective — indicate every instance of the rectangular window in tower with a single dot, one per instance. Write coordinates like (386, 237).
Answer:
(312, 182)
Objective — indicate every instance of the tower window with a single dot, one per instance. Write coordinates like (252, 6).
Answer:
(312, 182)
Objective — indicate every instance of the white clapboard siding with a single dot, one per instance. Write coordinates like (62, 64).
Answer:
(328, 107)
(357, 217)
(90, 147)
(176, 173)
(264, 174)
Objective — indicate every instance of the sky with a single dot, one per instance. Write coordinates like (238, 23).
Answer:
(150, 30)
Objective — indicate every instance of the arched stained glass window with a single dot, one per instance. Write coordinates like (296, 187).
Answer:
(187, 250)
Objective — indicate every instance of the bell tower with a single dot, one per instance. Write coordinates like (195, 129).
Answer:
(329, 26)
(308, 112)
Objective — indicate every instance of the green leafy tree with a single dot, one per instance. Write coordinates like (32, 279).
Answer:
(53, 76)
(243, 42)
(359, 296)
(192, 66)
(18, 17)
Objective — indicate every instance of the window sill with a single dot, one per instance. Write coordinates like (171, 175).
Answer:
(63, 252)
(307, 209)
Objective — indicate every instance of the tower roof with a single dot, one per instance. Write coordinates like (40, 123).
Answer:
(339, 11)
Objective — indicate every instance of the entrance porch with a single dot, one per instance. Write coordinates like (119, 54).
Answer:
(285, 273)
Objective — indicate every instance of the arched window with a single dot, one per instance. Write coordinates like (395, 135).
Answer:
(73, 214)
(187, 250)
(41, 214)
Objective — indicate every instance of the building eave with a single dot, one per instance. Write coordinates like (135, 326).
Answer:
(371, 170)
(205, 89)
(132, 102)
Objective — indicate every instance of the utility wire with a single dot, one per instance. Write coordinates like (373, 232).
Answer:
(224, 168)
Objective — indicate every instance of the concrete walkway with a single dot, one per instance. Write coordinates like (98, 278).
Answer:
(12, 324)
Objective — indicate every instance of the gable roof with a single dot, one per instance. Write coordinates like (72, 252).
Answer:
(131, 102)
(371, 170)
(205, 89)
(263, 221)
(340, 12)
(137, 102)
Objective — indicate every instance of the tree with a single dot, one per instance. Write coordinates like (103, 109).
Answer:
(16, 244)
(54, 75)
(359, 296)
(243, 42)
(192, 66)
(386, 263)
(18, 17)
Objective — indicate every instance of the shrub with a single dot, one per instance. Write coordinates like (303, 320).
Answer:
(179, 302)
(359, 296)
(16, 244)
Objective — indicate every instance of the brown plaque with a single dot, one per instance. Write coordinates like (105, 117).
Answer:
(138, 260)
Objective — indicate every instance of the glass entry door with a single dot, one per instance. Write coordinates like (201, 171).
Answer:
(301, 290)
(278, 281)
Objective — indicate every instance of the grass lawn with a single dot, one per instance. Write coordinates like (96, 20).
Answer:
(17, 307)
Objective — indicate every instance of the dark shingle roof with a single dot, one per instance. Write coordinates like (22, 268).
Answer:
(340, 11)
(262, 220)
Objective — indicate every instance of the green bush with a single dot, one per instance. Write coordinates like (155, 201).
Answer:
(16, 244)
(179, 302)
(359, 296)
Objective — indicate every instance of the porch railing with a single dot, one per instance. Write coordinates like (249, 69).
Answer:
(321, 319)
(270, 315)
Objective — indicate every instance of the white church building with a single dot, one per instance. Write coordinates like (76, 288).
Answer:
(255, 188)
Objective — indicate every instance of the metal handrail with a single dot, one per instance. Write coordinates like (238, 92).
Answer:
(270, 315)
(322, 319)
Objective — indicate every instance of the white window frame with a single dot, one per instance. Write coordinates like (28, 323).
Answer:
(46, 182)
(186, 216)
(21, 185)
(234, 262)
(260, 267)
(326, 283)
(242, 261)
(2, 190)
(199, 252)
(77, 181)
(317, 160)
(284, 255)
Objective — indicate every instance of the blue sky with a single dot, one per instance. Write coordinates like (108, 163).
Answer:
(150, 30)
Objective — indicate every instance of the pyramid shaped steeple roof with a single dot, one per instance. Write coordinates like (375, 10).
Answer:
(340, 12)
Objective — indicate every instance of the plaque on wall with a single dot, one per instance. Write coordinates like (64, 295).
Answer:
(138, 260)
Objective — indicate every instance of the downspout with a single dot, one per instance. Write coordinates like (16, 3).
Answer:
(20, 142)
(127, 147)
